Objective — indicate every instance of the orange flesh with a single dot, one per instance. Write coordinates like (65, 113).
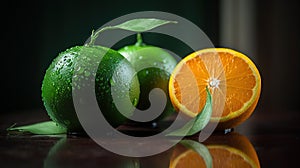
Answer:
(223, 157)
(190, 159)
(230, 150)
(229, 78)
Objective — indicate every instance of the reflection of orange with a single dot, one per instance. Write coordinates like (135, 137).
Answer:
(231, 77)
(186, 158)
(230, 150)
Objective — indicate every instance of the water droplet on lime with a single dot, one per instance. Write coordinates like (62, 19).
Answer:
(87, 73)
(112, 82)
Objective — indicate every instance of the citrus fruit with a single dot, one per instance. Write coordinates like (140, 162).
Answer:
(57, 83)
(230, 150)
(232, 78)
(154, 66)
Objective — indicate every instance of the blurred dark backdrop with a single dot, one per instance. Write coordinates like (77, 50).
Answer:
(39, 30)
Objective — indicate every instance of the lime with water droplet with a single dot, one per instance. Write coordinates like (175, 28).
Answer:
(57, 95)
(59, 104)
(154, 66)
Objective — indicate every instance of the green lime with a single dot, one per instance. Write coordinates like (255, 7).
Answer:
(154, 66)
(57, 84)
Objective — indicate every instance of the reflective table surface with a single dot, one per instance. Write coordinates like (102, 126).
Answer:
(266, 139)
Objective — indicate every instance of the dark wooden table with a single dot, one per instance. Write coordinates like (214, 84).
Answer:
(274, 135)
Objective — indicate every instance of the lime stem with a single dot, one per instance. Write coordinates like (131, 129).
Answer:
(139, 40)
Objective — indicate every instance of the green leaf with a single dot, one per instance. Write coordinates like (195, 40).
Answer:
(199, 122)
(200, 149)
(135, 25)
(143, 24)
(42, 128)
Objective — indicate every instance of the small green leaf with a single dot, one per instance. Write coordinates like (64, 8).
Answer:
(135, 25)
(42, 128)
(200, 149)
(199, 122)
(143, 24)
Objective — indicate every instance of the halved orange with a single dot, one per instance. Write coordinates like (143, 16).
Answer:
(232, 78)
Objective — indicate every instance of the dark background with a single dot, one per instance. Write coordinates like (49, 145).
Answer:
(38, 30)
(35, 32)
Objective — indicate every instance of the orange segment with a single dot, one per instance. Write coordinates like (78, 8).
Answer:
(232, 78)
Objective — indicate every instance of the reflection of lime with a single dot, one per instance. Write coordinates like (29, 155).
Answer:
(80, 153)
(154, 66)
(57, 83)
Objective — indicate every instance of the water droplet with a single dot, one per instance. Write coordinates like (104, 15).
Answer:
(67, 122)
(154, 63)
(154, 125)
(87, 73)
(80, 70)
(135, 102)
(112, 82)
(140, 57)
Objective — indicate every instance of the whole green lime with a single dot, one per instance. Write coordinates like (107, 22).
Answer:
(71, 68)
(154, 66)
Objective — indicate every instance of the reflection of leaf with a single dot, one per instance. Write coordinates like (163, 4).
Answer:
(199, 122)
(42, 128)
(200, 149)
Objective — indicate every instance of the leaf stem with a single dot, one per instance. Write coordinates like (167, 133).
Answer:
(12, 126)
(95, 35)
